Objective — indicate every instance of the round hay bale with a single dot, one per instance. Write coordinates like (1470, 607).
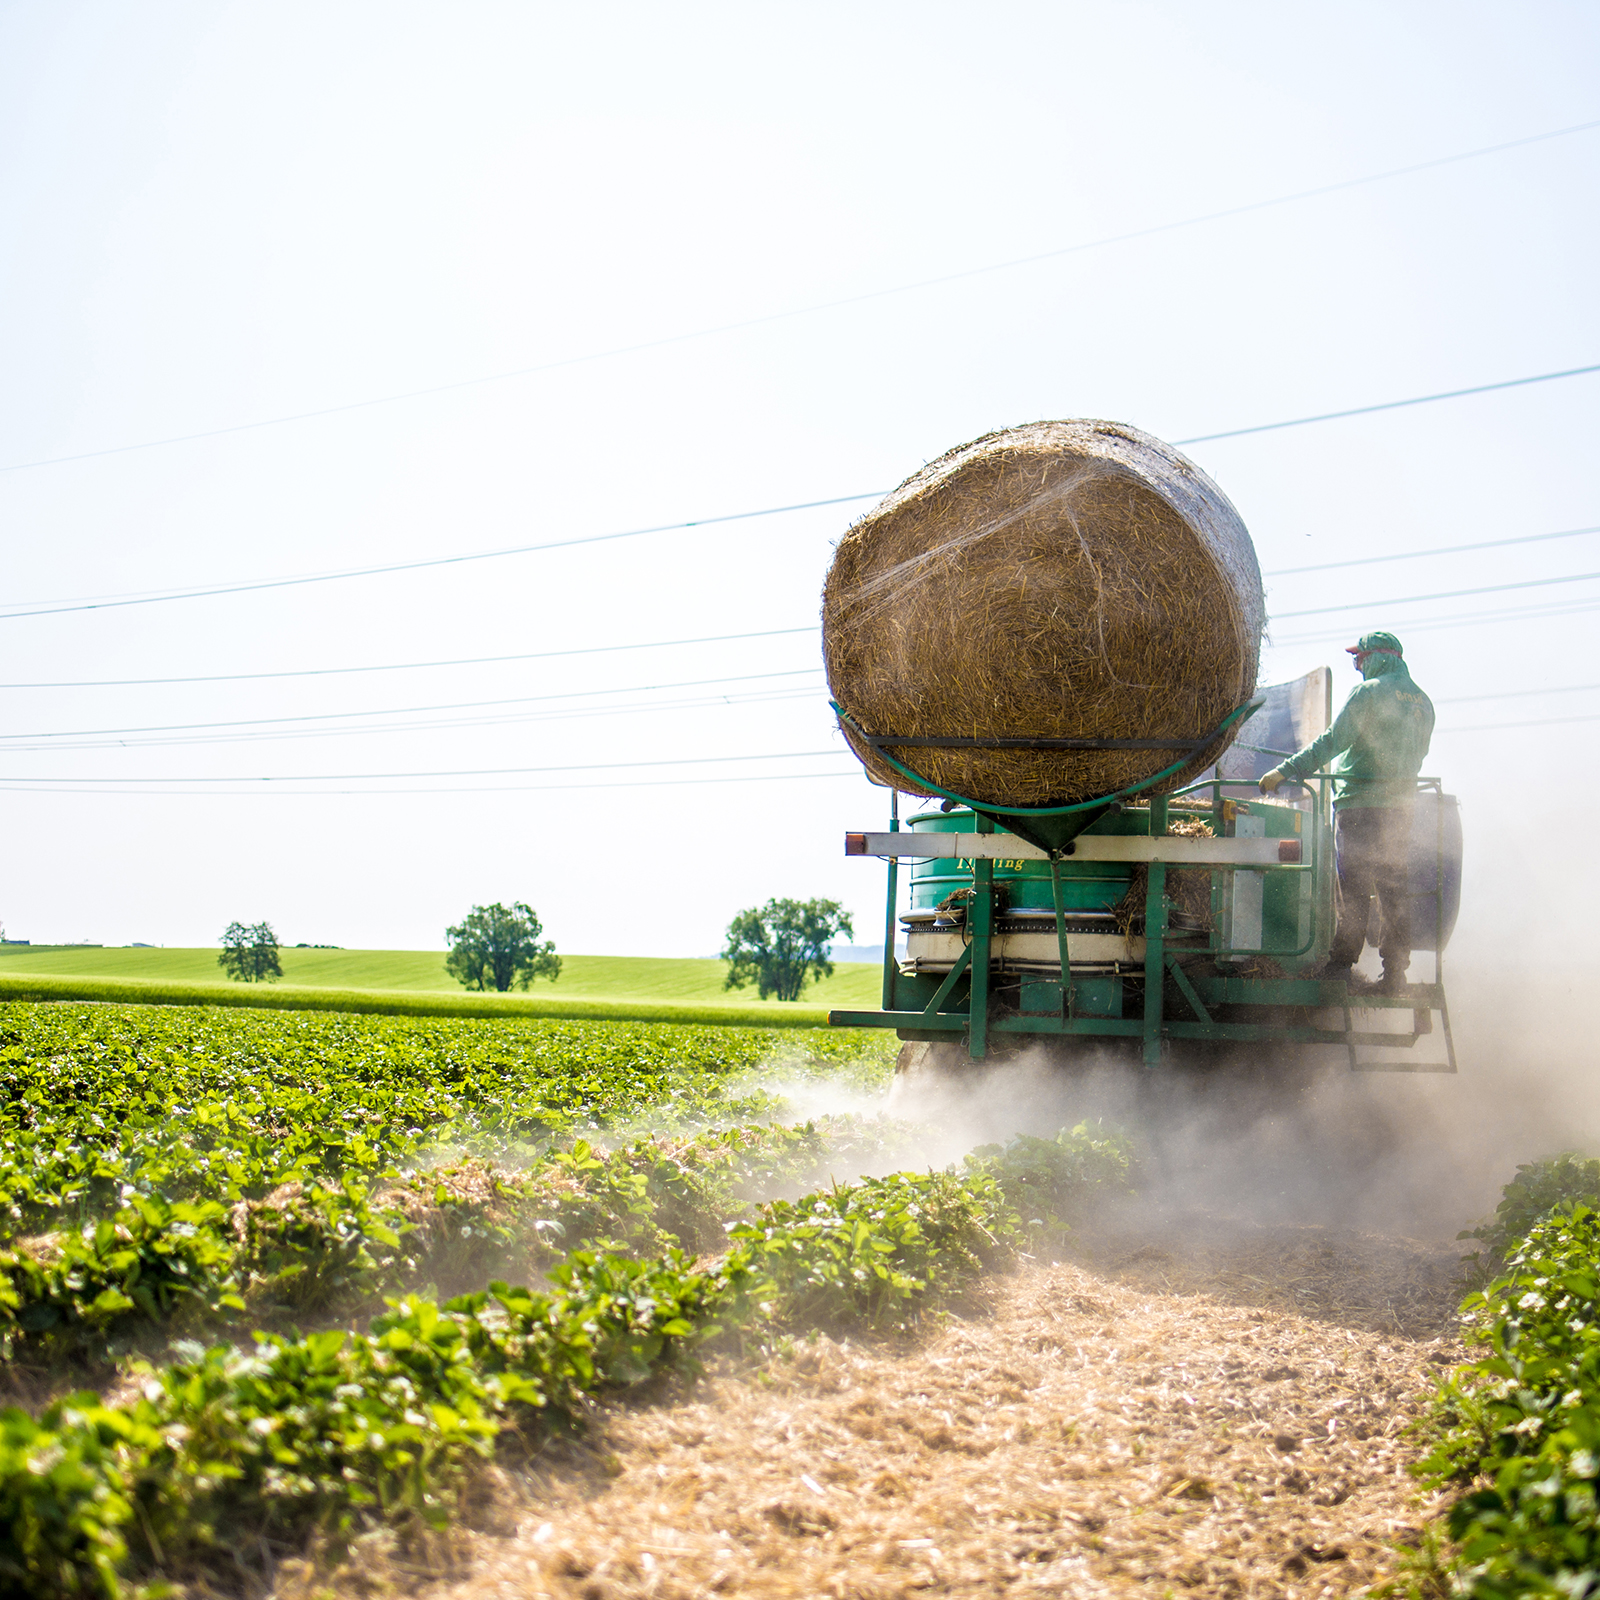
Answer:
(1063, 580)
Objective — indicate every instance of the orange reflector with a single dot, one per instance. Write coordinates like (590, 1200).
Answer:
(1289, 850)
(855, 844)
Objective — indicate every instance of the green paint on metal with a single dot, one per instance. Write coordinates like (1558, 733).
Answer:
(1186, 989)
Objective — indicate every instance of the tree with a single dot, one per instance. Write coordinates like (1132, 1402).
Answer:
(782, 945)
(497, 946)
(250, 955)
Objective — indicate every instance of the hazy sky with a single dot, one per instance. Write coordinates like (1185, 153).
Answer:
(659, 264)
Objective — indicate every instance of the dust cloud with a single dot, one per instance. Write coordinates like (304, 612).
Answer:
(1423, 1155)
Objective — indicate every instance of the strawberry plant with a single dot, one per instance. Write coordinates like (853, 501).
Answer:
(1518, 1429)
(866, 1252)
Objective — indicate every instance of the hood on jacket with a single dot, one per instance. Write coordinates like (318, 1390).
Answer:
(1381, 663)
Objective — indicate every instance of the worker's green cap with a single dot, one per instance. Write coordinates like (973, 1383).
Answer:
(1371, 643)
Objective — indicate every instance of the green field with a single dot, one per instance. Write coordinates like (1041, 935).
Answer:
(628, 980)
(286, 1286)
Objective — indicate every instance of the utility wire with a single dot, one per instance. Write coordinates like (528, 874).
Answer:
(413, 666)
(148, 598)
(1443, 594)
(406, 711)
(470, 772)
(590, 717)
(663, 644)
(1498, 616)
(516, 788)
(587, 714)
(725, 638)
(1391, 405)
(826, 305)
(1515, 694)
(1547, 722)
(1444, 550)
(654, 708)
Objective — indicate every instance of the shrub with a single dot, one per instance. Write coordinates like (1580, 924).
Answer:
(1053, 1182)
(153, 1260)
(1520, 1427)
(63, 1500)
(864, 1253)
(1538, 1188)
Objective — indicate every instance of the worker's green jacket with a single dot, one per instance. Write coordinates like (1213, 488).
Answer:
(1379, 739)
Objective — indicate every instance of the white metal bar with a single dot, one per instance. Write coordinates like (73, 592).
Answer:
(1086, 847)
(1041, 949)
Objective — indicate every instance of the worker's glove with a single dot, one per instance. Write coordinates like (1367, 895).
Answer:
(1271, 780)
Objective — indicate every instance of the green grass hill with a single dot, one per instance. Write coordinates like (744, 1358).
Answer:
(634, 980)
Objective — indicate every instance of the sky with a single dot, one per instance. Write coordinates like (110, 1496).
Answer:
(288, 290)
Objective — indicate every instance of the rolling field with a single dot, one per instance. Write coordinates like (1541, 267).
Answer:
(633, 983)
(302, 1303)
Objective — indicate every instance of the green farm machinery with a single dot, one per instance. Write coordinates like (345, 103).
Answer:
(1033, 633)
(1170, 928)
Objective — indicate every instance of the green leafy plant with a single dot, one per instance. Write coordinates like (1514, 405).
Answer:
(1538, 1188)
(63, 1498)
(321, 1245)
(1053, 1182)
(161, 1170)
(150, 1262)
(867, 1252)
(1518, 1430)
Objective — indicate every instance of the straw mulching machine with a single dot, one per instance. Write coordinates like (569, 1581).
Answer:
(1054, 633)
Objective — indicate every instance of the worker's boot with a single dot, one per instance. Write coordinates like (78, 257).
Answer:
(1335, 972)
(1395, 964)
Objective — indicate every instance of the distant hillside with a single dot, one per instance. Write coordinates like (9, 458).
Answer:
(643, 978)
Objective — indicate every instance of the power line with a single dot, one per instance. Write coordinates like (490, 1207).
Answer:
(657, 644)
(413, 666)
(148, 598)
(1443, 594)
(654, 708)
(1391, 405)
(1445, 550)
(826, 305)
(519, 788)
(154, 598)
(469, 772)
(1498, 616)
(406, 711)
(588, 714)
(1516, 694)
(1547, 722)
(727, 638)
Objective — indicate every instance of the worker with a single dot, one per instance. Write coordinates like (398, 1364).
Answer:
(1377, 744)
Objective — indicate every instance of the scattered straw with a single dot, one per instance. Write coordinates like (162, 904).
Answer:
(1085, 1434)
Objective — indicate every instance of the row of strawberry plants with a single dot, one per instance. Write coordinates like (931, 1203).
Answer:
(99, 1104)
(340, 1431)
(1516, 1432)
(158, 1268)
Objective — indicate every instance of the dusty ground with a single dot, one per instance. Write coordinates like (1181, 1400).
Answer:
(1190, 1405)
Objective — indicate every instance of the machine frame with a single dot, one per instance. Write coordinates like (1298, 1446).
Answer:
(963, 1007)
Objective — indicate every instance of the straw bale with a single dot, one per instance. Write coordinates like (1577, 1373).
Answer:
(1059, 580)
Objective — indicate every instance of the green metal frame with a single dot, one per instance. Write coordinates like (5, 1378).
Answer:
(979, 1021)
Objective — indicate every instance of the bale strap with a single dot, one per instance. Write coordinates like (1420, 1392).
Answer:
(1188, 746)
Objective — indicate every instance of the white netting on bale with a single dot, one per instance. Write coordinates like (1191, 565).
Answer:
(1063, 580)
